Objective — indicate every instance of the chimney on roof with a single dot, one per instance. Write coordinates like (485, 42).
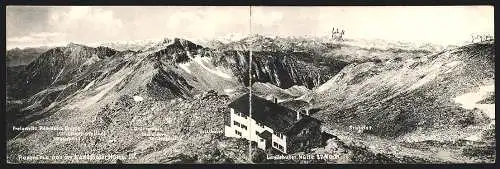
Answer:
(275, 100)
(307, 111)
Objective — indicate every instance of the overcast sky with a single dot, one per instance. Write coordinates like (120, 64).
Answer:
(36, 26)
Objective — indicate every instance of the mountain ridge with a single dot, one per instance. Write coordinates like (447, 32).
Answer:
(184, 88)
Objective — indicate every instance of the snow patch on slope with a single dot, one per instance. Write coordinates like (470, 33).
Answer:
(92, 60)
(58, 75)
(89, 85)
(204, 61)
(469, 100)
(138, 98)
(228, 91)
(475, 137)
(104, 89)
(185, 67)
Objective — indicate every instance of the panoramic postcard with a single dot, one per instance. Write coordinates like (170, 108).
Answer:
(250, 84)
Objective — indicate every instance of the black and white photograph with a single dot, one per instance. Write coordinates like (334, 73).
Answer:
(250, 84)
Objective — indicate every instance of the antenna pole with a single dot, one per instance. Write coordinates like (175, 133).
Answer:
(250, 95)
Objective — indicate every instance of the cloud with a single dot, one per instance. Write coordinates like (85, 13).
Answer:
(85, 23)
(62, 25)
(23, 20)
(266, 19)
(208, 22)
(441, 25)
(48, 34)
(81, 24)
(37, 37)
(21, 39)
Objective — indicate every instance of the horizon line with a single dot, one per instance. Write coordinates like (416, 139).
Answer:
(223, 40)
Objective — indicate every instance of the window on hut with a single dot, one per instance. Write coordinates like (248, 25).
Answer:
(305, 131)
(279, 135)
(237, 132)
(237, 124)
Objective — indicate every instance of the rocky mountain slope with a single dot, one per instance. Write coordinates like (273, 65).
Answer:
(94, 88)
(436, 97)
(76, 84)
(270, 92)
(164, 103)
(431, 82)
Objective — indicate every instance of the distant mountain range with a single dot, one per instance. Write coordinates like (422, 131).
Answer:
(16, 56)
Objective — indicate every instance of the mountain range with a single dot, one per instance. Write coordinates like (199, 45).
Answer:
(412, 98)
